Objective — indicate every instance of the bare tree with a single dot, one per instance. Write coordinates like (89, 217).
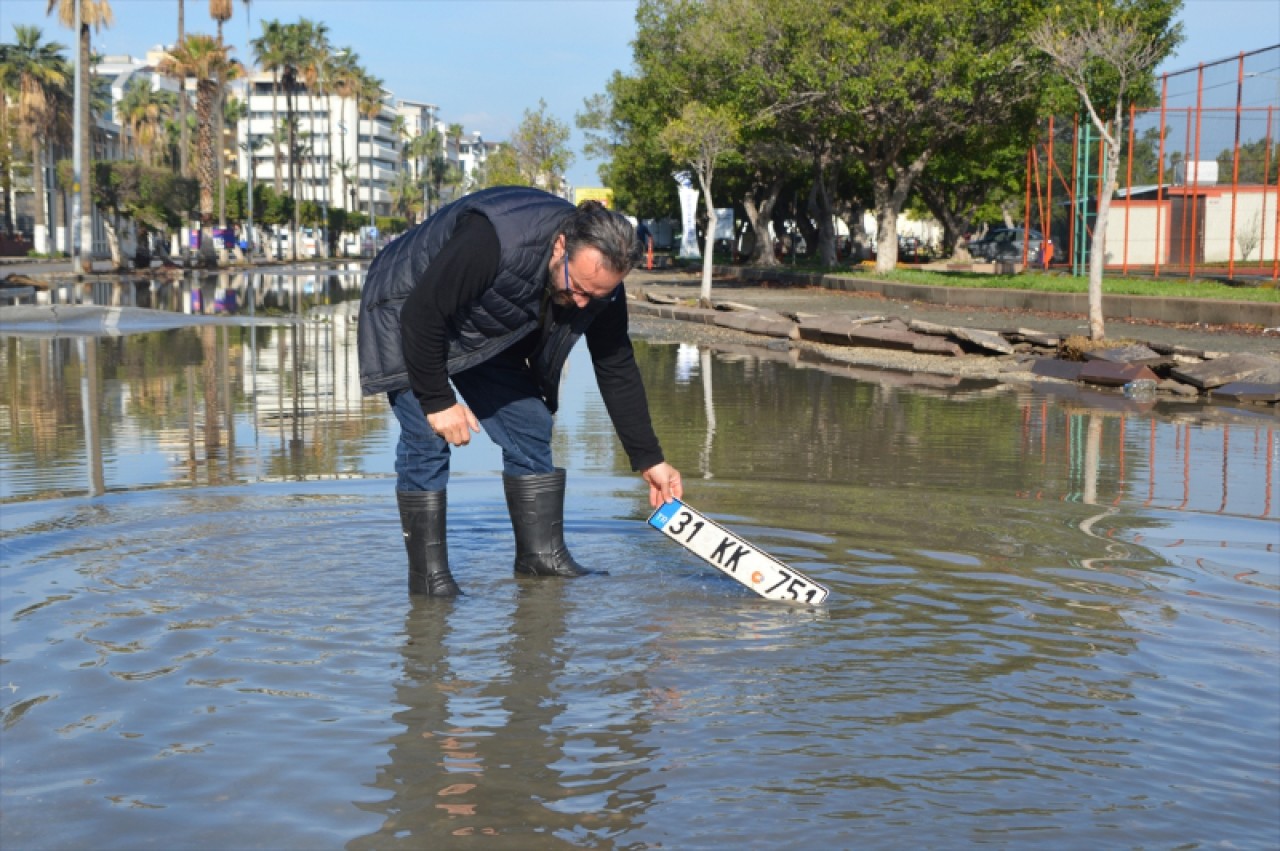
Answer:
(1126, 52)
(700, 137)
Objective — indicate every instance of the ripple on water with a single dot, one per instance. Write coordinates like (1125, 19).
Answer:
(179, 657)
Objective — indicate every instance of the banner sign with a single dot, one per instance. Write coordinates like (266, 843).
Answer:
(689, 211)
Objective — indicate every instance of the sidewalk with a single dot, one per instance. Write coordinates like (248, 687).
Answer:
(1143, 359)
(1037, 311)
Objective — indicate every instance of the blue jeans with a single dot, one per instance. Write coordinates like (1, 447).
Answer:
(504, 396)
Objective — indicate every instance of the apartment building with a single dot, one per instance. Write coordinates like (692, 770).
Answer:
(344, 158)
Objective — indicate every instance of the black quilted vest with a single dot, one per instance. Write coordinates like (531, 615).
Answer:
(526, 221)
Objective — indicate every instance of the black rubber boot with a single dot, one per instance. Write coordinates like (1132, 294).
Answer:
(422, 517)
(536, 504)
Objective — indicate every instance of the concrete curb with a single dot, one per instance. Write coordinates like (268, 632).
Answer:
(1186, 311)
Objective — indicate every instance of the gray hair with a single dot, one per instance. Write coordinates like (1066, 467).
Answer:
(594, 225)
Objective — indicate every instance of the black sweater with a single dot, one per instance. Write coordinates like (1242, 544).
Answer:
(465, 267)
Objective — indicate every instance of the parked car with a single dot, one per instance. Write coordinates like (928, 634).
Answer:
(1006, 244)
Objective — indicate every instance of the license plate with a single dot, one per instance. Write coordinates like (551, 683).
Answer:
(733, 556)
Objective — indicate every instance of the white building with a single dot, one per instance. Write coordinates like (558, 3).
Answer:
(344, 159)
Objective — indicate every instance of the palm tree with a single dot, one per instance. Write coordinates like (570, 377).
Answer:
(184, 128)
(406, 195)
(144, 110)
(268, 51)
(313, 57)
(37, 75)
(202, 58)
(369, 105)
(94, 14)
(344, 80)
(220, 11)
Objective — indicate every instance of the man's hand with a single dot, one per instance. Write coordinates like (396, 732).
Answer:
(664, 484)
(454, 424)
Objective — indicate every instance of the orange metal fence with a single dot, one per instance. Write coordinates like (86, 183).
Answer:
(1199, 180)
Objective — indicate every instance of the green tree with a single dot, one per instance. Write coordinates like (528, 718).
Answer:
(155, 200)
(202, 58)
(369, 105)
(1254, 160)
(344, 75)
(144, 111)
(502, 168)
(1106, 59)
(36, 77)
(269, 53)
(94, 15)
(540, 146)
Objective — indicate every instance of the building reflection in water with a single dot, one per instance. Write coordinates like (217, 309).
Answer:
(272, 398)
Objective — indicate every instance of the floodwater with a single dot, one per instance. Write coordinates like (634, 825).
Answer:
(1054, 620)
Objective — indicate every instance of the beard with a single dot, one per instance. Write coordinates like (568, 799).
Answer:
(558, 294)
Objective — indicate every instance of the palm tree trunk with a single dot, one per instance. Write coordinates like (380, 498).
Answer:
(293, 166)
(184, 148)
(40, 231)
(373, 240)
(275, 130)
(342, 105)
(86, 170)
(219, 140)
(6, 168)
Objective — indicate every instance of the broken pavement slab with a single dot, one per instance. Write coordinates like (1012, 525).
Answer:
(988, 340)
(1226, 370)
(765, 323)
(1036, 338)
(1135, 353)
(1115, 374)
(1066, 370)
(929, 345)
(931, 328)
(1247, 391)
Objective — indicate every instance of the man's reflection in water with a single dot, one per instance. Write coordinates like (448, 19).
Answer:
(488, 750)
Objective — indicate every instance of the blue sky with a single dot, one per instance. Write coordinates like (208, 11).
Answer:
(484, 62)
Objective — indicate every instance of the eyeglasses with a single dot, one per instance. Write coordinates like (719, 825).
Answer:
(572, 289)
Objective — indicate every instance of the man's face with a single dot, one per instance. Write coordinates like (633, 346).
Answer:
(582, 279)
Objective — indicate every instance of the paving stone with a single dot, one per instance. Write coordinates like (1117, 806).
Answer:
(735, 306)
(988, 340)
(825, 331)
(1224, 370)
(1126, 354)
(884, 337)
(1115, 374)
(1067, 370)
(1039, 338)
(1176, 388)
(693, 314)
(1177, 351)
(932, 328)
(659, 298)
(926, 344)
(1247, 391)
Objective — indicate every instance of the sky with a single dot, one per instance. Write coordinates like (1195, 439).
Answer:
(485, 62)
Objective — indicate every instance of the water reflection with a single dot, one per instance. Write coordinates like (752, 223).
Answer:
(1046, 604)
(284, 290)
(496, 739)
(756, 415)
